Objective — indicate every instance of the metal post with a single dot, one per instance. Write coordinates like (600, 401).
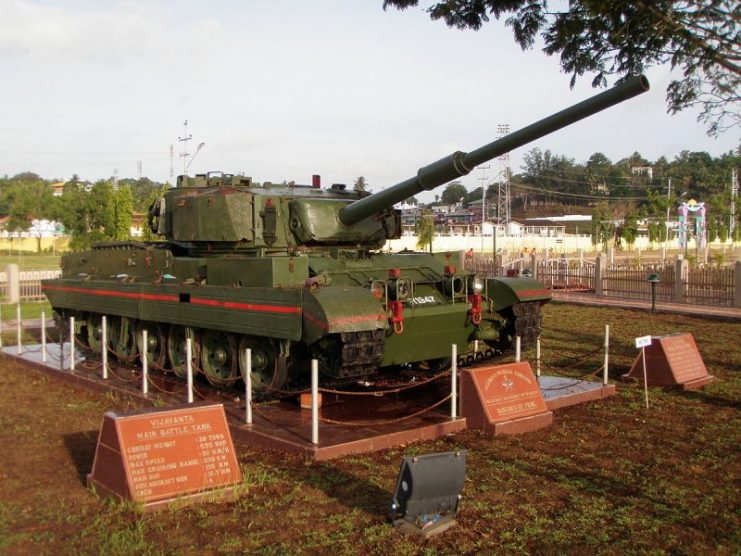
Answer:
(248, 385)
(645, 378)
(607, 355)
(43, 336)
(314, 401)
(537, 357)
(475, 346)
(145, 364)
(517, 349)
(104, 347)
(189, 368)
(453, 381)
(72, 344)
(18, 327)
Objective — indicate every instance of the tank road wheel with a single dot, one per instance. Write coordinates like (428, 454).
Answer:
(433, 366)
(122, 338)
(219, 358)
(177, 351)
(156, 343)
(266, 373)
(95, 332)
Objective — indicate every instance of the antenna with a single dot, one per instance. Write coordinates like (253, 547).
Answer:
(172, 155)
(184, 153)
(138, 169)
(115, 179)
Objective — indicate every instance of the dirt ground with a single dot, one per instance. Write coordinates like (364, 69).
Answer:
(607, 477)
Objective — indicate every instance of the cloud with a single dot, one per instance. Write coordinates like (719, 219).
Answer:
(112, 34)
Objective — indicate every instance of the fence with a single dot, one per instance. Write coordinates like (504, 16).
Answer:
(677, 282)
(24, 285)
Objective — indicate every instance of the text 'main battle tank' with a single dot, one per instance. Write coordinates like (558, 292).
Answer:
(296, 272)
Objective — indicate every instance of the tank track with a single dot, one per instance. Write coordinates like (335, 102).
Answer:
(355, 354)
(528, 321)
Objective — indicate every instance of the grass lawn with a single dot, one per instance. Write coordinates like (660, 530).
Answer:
(607, 477)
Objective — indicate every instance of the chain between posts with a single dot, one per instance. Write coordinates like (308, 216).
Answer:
(386, 421)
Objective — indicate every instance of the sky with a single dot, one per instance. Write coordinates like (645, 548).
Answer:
(280, 90)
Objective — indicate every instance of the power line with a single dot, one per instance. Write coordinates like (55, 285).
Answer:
(570, 181)
(525, 188)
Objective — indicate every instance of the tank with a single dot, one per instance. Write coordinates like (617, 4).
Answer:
(298, 272)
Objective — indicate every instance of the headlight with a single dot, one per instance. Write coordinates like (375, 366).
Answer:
(400, 289)
(476, 283)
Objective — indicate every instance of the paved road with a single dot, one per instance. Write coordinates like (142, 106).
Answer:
(726, 313)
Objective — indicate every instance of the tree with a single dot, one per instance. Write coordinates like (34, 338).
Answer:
(699, 37)
(454, 193)
(361, 184)
(425, 230)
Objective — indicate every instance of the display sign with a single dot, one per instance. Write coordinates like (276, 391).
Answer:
(492, 395)
(643, 341)
(158, 455)
(672, 360)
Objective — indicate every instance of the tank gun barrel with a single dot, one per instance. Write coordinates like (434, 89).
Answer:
(459, 163)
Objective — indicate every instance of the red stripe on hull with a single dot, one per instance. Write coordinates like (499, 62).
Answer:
(163, 297)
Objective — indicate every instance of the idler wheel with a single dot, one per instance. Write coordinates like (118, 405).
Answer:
(122, 338)
(177, 351)
(219, 358)
(155, 343)
(266, 373)
(95, 332)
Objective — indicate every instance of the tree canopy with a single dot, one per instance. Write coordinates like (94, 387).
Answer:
(702, 38)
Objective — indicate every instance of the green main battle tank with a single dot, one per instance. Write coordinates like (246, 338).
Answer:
(296, 272)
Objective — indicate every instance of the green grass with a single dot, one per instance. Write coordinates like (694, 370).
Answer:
(31, 261)
(29, 310)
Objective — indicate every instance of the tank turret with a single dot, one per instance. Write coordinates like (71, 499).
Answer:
(226, 212)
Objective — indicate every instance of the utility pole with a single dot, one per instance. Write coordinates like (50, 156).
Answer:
(115, 179)
(172, 157)
(504, 203)
(184, 153)
(138, 169)
(668, 205)
(734, 194)
(483, 179)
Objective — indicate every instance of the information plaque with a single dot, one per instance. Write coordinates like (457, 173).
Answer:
(162, 456)
(672, 361)
(503, 399)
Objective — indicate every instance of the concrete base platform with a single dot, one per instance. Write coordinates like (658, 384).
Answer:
(348, 424)
(561, 392)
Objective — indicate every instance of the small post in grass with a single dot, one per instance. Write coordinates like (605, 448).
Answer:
(43, 336)
(189, 367)
(605, 367)
(104, 346)
(18, 327)
(248, 385)
(314, 401)
(537, 358)
(641, 343)
(145, 364)
(453, 381)
(517, 349)
(72, 344)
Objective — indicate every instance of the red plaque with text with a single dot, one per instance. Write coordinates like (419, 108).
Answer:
(160, 456)
(503, 399)
(672, 360)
